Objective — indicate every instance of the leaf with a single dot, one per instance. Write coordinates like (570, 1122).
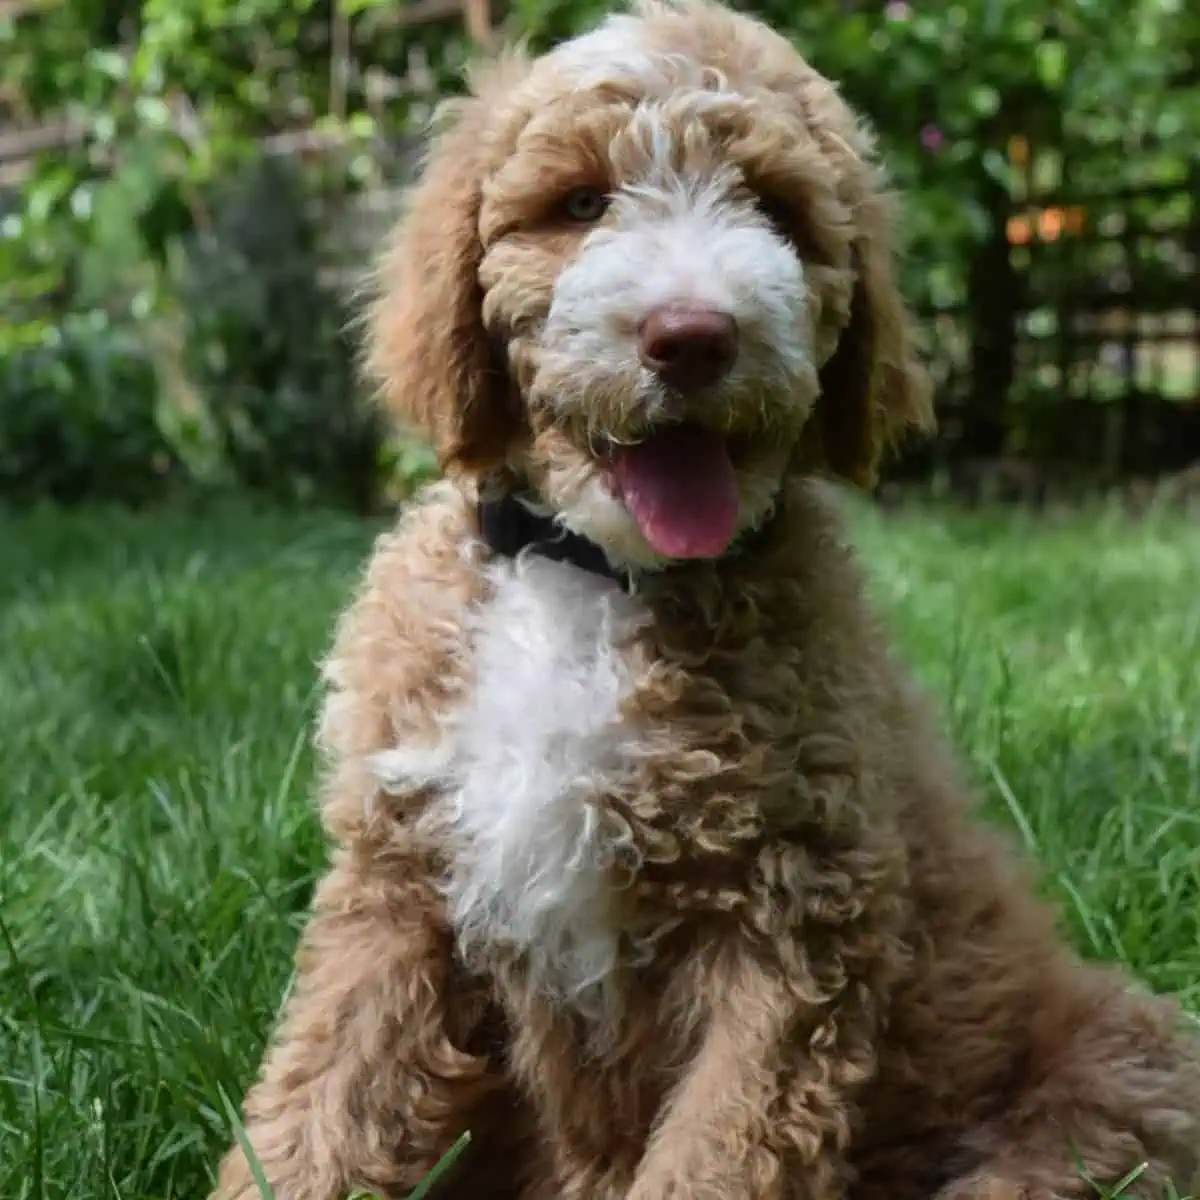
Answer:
(108, 62)
(1050, 58)
(265, 1191)
(444, 1164)
(997, 166)
(985, 100)
(47, 190)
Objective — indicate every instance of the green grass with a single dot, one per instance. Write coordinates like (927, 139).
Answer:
(158, 847)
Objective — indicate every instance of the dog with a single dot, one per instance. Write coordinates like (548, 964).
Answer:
(650, 869)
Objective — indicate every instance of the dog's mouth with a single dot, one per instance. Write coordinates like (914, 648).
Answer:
(679, 483)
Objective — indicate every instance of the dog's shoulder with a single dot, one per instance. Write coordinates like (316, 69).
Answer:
(396, 653)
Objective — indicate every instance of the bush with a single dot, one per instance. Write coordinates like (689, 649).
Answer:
(78, 420)
(238, 371)
(267, 348)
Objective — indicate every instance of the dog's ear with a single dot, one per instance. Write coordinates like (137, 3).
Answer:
(874, 388)
(427, 349)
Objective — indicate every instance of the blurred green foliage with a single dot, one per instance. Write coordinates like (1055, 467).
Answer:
(162, 290)
(78, 417)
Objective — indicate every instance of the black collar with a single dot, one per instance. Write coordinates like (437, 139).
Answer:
(509, 526)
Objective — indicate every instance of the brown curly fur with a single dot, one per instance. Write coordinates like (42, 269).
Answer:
(852, 990)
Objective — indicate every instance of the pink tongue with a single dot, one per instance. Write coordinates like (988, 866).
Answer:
(681, 488)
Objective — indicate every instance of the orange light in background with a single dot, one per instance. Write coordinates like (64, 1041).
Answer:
(1048, 224)
(1017, 230)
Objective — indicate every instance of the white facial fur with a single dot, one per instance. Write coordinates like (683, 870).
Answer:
(521, 765)
(674, 238)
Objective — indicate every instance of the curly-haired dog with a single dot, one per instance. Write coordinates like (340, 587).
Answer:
(650, 869)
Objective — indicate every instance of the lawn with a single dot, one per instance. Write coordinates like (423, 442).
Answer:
(156, 783)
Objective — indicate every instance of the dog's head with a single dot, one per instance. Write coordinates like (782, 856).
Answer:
(650, 273)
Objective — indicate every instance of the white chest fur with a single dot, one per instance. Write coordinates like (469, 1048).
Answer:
(522, 764)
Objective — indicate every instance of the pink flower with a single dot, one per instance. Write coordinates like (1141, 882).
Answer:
(897, 10)
(932, 138)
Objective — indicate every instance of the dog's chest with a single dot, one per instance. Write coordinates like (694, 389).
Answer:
(541, 734)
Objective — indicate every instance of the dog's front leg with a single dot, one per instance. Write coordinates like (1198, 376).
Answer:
(364, 1085)
(764, 1111)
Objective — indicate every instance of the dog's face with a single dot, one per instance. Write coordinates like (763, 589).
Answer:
(650, 274)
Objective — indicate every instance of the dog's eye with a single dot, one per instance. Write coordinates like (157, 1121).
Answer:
(585, 204)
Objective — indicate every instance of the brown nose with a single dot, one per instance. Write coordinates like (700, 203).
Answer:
(688, 347)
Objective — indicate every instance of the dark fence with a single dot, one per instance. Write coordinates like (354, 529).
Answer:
(1075, 362)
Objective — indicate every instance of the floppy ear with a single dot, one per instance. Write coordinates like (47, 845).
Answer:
(874, 388)
(427, 350)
